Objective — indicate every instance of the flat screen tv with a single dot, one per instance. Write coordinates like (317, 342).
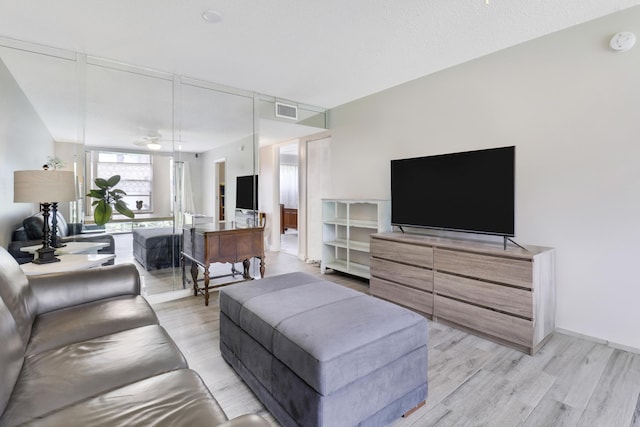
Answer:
(247, 192)
(472, 191)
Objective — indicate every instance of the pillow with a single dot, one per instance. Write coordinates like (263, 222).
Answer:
(33, 226)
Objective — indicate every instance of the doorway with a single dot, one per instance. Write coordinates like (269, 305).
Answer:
(289, 197)
(219, 186)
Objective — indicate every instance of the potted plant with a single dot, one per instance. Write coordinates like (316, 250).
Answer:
(108, 198)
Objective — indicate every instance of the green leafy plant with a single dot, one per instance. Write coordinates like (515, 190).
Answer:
(108, 196)
(54, 163)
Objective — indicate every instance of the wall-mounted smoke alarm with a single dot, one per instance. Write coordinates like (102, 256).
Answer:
(623, 41)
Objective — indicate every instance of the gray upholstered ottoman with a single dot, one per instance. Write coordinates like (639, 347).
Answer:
(319, 354)
(157, 248)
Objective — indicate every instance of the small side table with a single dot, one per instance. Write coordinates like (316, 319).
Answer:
(70, 262)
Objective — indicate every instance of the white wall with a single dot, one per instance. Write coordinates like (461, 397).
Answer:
(24, 144)
(571, 106)
(195, 167)
(269, 180)
(70, 153)
(162, 203)
(239, 160)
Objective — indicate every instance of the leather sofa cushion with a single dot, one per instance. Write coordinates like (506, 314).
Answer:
(11, 354)
(17, 295)
(177, 398)
(67, 375)
(33, 226)
(103, 317)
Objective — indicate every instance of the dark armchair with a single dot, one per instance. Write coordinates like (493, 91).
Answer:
(30, 234)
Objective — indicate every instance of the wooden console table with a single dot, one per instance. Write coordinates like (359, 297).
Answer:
(222, 242)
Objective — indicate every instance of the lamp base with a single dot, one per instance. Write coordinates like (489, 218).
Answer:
(46, 256)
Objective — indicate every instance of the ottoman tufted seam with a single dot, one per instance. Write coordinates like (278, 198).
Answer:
(243, 303)
(275, 327)
(382, 337)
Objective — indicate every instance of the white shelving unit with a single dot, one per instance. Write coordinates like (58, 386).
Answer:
(346, 227)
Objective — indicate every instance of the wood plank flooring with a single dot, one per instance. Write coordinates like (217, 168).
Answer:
(472, 381)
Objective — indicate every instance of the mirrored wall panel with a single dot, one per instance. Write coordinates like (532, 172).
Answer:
(185, 151)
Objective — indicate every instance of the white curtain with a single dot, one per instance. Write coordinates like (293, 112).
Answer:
(184, 192)
(289, 186)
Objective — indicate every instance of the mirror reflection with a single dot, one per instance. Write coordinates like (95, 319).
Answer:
(182, 147)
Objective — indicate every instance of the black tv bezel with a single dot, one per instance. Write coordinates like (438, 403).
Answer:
(255, 194)
(454, 229)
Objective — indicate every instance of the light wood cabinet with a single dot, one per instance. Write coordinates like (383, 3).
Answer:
(505, 295)
(346, 227)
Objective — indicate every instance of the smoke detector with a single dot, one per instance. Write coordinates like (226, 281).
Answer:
(212, 16)
(623, 41)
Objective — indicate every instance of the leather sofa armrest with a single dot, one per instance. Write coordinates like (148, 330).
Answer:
(250, 420)
(61, 290)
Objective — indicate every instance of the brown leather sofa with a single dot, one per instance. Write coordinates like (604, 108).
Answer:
(84, 348)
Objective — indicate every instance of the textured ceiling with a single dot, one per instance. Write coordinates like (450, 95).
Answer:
(322, 53)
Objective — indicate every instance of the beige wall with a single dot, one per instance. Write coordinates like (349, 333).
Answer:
(571, 106)
(24, 144)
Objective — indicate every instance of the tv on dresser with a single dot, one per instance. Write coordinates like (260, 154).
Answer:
(471, 191)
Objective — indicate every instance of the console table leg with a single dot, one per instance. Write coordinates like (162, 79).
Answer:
(206, 284)
(194, 277)
(262, 267)
(246, 264)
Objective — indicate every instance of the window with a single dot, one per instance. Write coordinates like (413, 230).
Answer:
(136, 177)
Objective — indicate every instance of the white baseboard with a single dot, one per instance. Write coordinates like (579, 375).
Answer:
(599, 341)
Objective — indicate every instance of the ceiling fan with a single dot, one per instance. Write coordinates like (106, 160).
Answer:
(154, 142)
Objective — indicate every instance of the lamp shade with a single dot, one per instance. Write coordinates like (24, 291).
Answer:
(43, 186)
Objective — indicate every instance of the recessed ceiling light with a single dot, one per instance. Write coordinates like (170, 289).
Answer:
(212, 16)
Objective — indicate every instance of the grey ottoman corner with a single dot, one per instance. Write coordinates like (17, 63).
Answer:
(320, 354)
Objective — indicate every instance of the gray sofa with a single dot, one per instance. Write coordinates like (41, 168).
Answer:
(84, 348)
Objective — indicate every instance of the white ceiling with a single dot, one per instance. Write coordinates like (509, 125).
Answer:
(322, 53)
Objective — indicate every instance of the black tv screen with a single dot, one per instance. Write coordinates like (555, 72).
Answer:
(472, 191)
(247, 192)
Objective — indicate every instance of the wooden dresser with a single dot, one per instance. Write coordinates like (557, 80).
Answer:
(505, 295)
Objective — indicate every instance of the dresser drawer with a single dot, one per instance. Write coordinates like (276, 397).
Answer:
(413, 298)
(415, 277)
(421, 256)
(511, 271)
(498, 297)
(509, 328)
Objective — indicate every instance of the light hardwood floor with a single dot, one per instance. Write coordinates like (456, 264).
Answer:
(472, 381)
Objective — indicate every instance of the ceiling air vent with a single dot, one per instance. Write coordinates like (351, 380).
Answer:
(286, 111)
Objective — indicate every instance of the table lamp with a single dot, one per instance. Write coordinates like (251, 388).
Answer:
(44, 187)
